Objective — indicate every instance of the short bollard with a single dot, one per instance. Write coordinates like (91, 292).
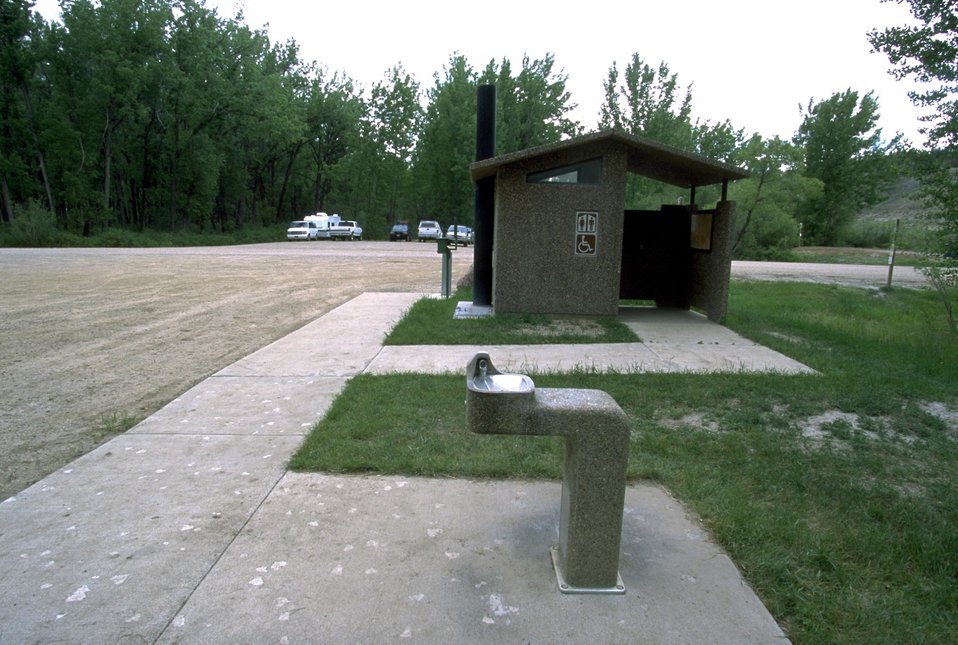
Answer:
(596, 432)
(444, 249)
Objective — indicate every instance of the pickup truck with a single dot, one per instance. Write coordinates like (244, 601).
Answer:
(346, 229)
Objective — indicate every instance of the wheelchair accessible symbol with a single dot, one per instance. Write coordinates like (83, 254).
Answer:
(586, 232)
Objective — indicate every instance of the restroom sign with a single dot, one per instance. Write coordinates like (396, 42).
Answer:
(586, 232)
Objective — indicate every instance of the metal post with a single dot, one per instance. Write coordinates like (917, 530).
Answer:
(891, 257)
(446, 252)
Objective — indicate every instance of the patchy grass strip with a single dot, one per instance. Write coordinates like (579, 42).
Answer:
(430, 322)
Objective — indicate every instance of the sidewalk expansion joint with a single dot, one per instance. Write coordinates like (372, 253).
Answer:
(213, 565)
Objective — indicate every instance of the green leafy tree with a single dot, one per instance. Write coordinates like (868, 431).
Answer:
(771, 199)
(610, 112)
(109, 52)
(651, 103)
(533, 106)
(15, 68)
(263, 137)
(720, 141)
(396, 118)
(532, 109)
(199, 100)
(940, 193)
(371, 144)
(151, 113)
(647, 103)
(844, 150)
(928, 52)
(448, 144)
(334, 113)
(231, 104)
(396, 114)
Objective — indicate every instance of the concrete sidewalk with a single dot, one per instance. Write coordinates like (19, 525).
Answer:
(188, 528)
(672, 341)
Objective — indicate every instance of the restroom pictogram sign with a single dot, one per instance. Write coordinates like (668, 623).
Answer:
(586, 232)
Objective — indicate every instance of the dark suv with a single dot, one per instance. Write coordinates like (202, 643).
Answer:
(399, 231)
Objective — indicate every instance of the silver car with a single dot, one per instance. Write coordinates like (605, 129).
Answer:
(429, 230)
(459, 234)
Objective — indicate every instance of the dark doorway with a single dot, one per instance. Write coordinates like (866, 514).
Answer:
(656, 256)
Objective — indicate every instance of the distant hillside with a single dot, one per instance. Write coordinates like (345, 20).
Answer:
(901, 202)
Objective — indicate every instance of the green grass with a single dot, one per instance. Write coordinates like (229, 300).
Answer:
(853, 255)
(113, 425)
(430, 322)
(845, 525)
(423, 436)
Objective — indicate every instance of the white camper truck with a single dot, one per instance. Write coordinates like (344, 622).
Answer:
(324, 222)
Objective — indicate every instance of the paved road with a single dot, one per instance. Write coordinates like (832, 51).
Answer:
(855, 275)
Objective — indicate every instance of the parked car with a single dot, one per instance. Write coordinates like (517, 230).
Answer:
(429, 230)
(399, 231)
(303, 230)
(346, 229)
(460, 234)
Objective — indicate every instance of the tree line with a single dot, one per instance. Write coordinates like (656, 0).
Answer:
(161, 115)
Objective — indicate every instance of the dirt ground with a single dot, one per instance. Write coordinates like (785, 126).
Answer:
(89, 337)
(92, 336)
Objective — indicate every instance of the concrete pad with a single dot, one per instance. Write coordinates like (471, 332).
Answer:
(702, 358)
(616, 357)
(376, 559)
(654, 325)
(466, 309)
(247, 405)
(439, 359)
(109, 548)
(672, 341)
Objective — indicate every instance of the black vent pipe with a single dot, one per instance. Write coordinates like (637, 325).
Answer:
(485, 197)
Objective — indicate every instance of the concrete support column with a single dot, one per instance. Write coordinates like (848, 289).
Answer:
(711, 270)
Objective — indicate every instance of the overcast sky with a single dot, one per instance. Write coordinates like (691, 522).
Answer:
(750, 61)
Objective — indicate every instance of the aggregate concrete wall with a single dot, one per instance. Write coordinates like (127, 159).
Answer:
(537, 268)
(711, 271)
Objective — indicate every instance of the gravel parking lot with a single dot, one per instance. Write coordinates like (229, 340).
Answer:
(92, 335)
(87, 335)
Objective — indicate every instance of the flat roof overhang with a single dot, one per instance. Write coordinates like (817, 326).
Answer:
(645, 157)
